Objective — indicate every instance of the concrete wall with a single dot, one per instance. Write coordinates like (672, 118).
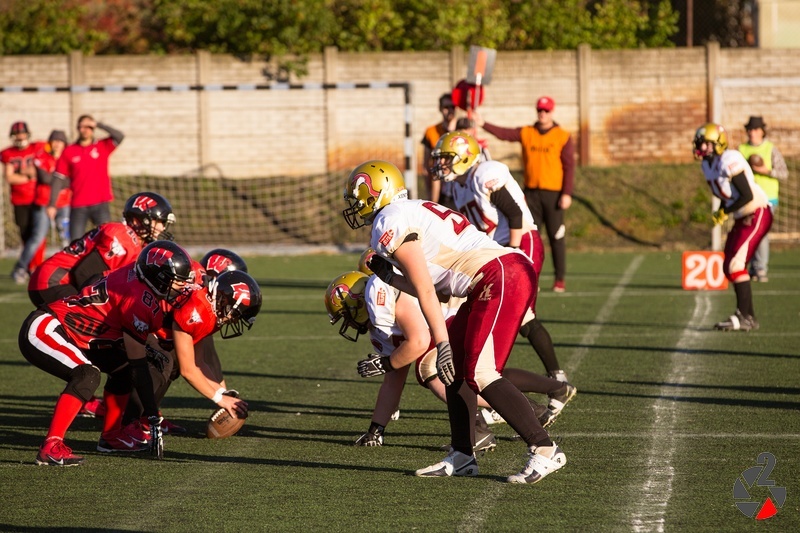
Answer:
(633, 106)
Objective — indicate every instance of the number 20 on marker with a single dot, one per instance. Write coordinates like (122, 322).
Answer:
(703, 271)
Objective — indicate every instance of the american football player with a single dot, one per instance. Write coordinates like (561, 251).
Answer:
(435, 250)
(490, 197)
(186, 344)
(731, 180)
(146, 217)
(400, 336)
(104, 329)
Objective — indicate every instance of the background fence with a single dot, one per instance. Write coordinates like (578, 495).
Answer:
(213, 125)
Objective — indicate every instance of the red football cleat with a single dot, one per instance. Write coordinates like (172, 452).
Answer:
(118, 441)
(172, 429)
(55, 453)
(94, 408)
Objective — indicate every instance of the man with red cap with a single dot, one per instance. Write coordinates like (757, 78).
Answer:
(19, 170)
(548, 155)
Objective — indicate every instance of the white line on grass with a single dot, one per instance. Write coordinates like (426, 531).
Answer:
(593, 331)
(650, 507)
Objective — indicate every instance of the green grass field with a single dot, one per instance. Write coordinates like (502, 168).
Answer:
(668, 415)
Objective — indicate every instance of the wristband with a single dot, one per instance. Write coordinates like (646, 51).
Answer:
(218, 395)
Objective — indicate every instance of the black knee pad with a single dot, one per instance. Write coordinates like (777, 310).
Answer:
(83, 382)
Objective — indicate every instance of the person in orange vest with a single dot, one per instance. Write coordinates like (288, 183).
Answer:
(435, 191)
(548, 155)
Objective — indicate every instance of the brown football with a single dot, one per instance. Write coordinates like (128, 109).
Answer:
(755, 160)
(222, 425)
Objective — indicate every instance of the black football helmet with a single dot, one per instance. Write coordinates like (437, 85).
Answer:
(220, 260)
(162, 263)
(236, 297)
(145, 208)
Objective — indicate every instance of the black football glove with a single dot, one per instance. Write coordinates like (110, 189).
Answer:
(156, 358)
(374, 365)
(444, 363)
(381, 268)
(156, 437)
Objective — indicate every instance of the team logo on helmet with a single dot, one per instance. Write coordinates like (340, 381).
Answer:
(158, 256)
(143, 203)
(460, 145)
(218, 263)
(340, 292)
(365, 179)
(241, 293)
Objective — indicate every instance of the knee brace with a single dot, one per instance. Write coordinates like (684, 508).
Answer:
(83, 382)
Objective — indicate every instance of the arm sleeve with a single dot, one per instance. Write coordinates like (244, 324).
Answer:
(115, 134)
(506, 204)
(745, 192)
(89, 269)
(44, 177)
(59, 184)
(568, 164)
(504, 134)
(779, 169)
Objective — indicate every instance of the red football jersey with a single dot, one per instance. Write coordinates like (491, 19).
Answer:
(197, 317)
(23, 193)
(99, 315)
(116, 242)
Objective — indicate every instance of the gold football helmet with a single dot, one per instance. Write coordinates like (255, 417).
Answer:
(344, 299)
(366, 255)
(716, 137)
(454, 154)
(370, 187)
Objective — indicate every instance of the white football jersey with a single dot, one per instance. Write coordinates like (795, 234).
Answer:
(381, 302)
(454, 249)
(718, 173)
(472, 199)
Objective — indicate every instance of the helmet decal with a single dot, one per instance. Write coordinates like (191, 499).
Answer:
(144, 203)
(364, 179)
(158, 256)
(217, 263)
(460, 145)
(241, 293)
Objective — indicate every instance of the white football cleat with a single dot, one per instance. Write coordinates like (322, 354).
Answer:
(737, 322)
(492, 417)
(455, 464)
(542, 460)
(558, 401)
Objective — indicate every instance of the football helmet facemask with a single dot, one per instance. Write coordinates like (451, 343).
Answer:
(166, 269)
(236, 298)
(370, 187)
(454, 154)
(344, 299)
(716, 138)
(143, 210)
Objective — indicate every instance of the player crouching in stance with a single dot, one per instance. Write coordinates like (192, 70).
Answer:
(104, 328)
(731, 180)
(435, 248)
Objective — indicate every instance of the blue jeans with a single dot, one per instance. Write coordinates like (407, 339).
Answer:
(39, 226)
(79, 216)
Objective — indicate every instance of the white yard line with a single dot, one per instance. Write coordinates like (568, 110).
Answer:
(593, 331)
(653, 495)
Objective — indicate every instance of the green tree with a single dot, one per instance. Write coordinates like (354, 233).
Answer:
(45, 27)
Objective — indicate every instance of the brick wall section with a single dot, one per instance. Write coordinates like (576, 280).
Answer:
(644, 105)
